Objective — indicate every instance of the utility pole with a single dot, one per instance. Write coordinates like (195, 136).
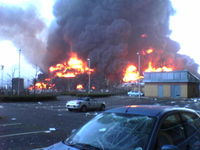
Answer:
(89, 80)
(139, 67)
(2, 67)
(18, 91)
(34, 80)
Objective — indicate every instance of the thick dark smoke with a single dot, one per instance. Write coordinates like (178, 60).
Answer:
(111, 32)
(22, 27)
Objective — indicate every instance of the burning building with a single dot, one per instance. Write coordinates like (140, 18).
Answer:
(111, 32)
(108, 32)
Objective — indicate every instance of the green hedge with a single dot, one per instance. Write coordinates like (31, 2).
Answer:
(28, 98)
(79, 94)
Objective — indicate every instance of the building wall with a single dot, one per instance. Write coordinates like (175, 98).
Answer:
(152, 89)
(184, 90)
(193, 90)
(167, 90)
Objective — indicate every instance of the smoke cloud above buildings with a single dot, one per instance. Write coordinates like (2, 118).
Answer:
(111, 32)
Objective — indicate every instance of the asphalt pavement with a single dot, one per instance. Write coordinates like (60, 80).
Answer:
(31, 125)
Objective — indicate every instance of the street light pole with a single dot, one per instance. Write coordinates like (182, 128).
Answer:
(139, 66)
(18, 91)
(89, 80)
(2, 67)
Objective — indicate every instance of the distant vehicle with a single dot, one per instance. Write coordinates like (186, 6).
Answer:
(137, 127)
(85, 104)
(135, 93)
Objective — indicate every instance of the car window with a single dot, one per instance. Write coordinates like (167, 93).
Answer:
(191, 123)
(171, 131)
(116, 131)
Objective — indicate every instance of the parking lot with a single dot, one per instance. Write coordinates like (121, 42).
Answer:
(31, 125)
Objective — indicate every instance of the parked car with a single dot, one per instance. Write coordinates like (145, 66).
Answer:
(137, 127)
(84, 104)
(135, 93)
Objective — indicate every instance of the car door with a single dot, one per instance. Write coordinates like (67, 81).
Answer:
(191, 123)
(170, 132)
(89, 102)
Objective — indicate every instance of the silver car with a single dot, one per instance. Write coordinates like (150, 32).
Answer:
(84, 104)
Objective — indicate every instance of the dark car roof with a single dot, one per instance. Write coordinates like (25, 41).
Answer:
(149, 110)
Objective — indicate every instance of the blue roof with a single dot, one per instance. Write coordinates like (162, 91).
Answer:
(148, 110)
(172, 76)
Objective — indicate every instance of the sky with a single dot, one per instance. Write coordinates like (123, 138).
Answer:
(11, 65)
(184, 25)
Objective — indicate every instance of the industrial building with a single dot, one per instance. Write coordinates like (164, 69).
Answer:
(172, 84)
(18, 85)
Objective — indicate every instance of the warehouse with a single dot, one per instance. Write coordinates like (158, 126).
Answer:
(171, 84)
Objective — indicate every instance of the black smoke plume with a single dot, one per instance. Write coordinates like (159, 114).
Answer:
(111, 32)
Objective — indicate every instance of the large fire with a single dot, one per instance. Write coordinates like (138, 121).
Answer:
(160, 69)
(131, 74)
(71, 68)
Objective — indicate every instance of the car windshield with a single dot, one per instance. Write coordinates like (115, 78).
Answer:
(84, 98)
(111, 131)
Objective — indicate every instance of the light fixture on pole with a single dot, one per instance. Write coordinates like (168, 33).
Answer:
(89, 80)
(139, 73)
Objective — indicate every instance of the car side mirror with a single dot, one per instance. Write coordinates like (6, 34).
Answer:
(169, 147)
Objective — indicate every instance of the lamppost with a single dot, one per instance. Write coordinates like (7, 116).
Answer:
(18, 91)
(2, 67)
(139, 73)
(89, 80)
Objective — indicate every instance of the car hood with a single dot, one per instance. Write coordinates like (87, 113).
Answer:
(60, 146)
(74, 101)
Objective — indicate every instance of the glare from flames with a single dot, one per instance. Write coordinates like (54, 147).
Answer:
(131, 74)
(71, 68)
(160, 69)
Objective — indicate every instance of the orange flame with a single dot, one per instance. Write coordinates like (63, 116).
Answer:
(131, 74)
(71, 68)
(79, 87)
(161, 69)
(146, 52)
(41, 86)
(149, 51)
